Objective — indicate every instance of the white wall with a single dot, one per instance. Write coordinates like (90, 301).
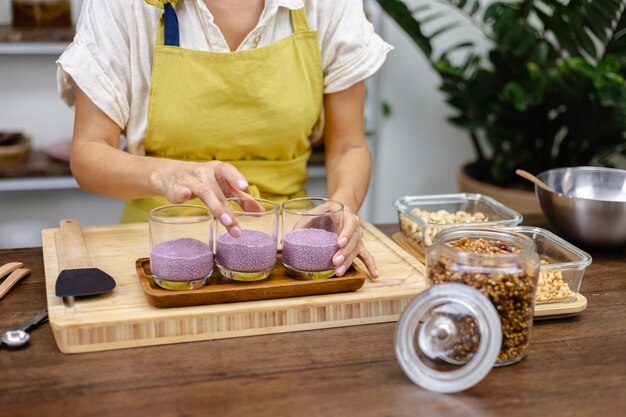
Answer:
(30, 103)
(28, 88)
(417, 151)
(23, 214)
(5, 12)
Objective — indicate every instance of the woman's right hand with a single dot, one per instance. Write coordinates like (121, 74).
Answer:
(212, 182)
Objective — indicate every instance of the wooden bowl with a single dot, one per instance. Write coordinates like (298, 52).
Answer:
(15, 151)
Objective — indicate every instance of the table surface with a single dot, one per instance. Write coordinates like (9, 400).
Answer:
(575, 367)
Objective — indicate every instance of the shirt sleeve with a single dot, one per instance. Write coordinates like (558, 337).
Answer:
(351, 50)
(98, 60)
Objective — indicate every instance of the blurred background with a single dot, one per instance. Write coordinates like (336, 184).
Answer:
(403, 143)
(415, 149)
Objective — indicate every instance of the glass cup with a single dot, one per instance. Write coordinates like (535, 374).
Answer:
(251, 256)
(311, 228)
(181, 246)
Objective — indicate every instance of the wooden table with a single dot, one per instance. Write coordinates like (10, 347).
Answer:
(575, 367)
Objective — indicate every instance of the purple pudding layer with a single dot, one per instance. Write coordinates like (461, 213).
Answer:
(181, 260)
(310, 250)
(253, 251)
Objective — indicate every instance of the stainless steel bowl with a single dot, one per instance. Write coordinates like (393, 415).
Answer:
(587, 203)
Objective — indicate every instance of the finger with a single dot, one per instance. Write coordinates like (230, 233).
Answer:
(245, 200)
(324, 222)
(216, 202)
(249, 203)
(345, 256)
(178, 194)
(350, 248)
(369, 261)
(350, 227)
(226, 171)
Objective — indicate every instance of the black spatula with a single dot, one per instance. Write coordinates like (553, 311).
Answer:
(78, 277)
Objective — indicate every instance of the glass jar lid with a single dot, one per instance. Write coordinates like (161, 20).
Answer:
(448, 338)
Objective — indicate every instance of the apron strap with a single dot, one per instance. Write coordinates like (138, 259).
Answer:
(298, 20)
(171, 34)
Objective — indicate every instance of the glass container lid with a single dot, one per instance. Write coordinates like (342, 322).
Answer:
(448, 338)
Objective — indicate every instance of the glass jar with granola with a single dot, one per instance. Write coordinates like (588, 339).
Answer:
(502, 265)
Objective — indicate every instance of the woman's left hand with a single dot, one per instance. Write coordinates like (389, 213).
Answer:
(351, 246)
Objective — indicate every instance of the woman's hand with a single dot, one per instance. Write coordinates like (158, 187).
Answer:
(351, 246)
(126, 176)
(212, 182)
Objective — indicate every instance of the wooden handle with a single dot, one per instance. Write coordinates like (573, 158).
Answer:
(530, 177)
(71, 247)
(7, 268)
(12, 280)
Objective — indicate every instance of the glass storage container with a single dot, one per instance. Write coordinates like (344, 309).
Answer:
(562, 265)
(421, 217)
(502, 265)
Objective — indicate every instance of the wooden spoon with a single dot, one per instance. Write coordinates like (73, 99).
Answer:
(12, 280)
(530, 177)
(6, 269)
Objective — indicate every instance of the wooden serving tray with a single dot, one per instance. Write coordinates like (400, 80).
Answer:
(550, 310)
(123, 318)
(222, 290)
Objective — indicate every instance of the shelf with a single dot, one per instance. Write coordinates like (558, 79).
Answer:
(33, 48)
(37, 165)
(52, 41)
(38, 184)
(40, 172)
(69, 183)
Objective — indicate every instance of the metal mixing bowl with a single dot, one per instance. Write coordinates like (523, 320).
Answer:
(587, 203)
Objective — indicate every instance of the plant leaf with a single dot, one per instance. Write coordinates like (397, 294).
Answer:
(514, 93)
(455, 47)
(443, 30)
(404, 18)
(549, 91)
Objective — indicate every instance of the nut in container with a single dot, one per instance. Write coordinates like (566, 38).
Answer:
(422, 217)
(562, 265)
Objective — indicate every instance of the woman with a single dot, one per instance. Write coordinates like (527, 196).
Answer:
(221, 98)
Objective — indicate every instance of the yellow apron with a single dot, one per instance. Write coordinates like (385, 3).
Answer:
(255, 109)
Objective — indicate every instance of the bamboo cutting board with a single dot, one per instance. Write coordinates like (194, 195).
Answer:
(124, 319)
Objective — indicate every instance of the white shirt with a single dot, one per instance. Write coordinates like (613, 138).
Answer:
(110, 58)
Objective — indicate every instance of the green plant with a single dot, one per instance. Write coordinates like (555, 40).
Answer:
(549, 92)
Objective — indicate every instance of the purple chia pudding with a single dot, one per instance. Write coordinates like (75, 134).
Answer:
(310, 250)
(253, 251)
(181, 260)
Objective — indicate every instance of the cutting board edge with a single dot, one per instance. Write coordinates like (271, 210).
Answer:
(77, 349)
(59, 318)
